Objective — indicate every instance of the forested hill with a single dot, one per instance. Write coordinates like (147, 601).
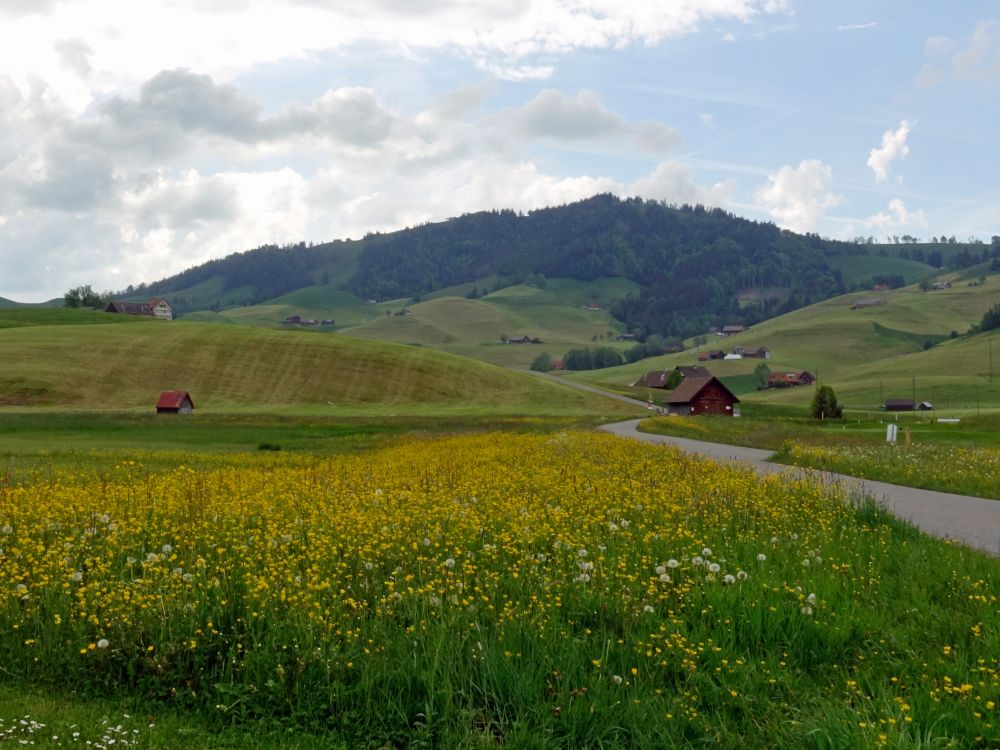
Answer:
(691, 262)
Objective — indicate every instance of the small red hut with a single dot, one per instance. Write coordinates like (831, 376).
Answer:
(174, 402)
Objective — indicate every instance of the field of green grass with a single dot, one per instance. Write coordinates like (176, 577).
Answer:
(860, 268)
(866, 355)
(243, 369)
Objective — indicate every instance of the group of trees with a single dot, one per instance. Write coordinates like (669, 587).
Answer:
(592, 358)
(85, 296)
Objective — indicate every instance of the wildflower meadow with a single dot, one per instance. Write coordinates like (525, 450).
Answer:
(570, 590)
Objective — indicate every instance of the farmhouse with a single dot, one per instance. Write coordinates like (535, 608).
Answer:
(941, 285)
(703, 394)
(862, 303)
(899, 404)
(789, 379)
(155, 308)
(732, 330)
(525, 339)
(711, 354)
(755, 352)
(653, 379)
(174, 402)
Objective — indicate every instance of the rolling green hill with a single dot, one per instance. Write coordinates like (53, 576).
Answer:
(865, 354)
(236, 368)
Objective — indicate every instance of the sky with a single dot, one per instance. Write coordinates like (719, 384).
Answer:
(138, 139)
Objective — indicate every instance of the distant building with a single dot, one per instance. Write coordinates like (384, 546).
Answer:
(899, 404)
(701, 395)
(653, 379)
(711, 354)
(522, 340)
(789, 379)
(174, 402)
(755, 352)
(732, 330)
(862, 303)
(941, 285)
(625, 337)
(154, 308)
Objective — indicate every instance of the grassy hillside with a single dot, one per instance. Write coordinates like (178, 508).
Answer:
(8, 303)
(860, 268)
(865, 352)
(232, 368)
(25, 317)
(474, 327)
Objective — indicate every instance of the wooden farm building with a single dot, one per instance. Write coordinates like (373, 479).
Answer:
(174, 402)
(899, 404)
(661, 378)
(703, 394)
(863, 303)
(789, 379)
(154, 308)
(711, 354)
(732, 330)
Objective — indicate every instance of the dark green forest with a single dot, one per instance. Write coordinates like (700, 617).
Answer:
(691, 262)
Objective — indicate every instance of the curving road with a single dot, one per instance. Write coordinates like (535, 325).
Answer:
(972, 520)
(975, 521)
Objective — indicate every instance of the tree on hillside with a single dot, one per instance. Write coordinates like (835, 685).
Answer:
(542, 363)
(760, 375)
(824, 404)
(84, 296)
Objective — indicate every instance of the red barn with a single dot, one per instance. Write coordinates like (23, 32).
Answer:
(701, 395)
(175, 402)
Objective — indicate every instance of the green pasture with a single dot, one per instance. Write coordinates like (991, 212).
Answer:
(860, 268)
(243, 369)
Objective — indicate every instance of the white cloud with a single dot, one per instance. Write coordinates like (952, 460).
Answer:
(899, 217)
(553, 114)
(797, 197)
(980, 60)
(707, 120)
(893, 147)
(858, 26)
(673, 182)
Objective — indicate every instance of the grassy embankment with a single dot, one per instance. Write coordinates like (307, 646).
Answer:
(437, 593)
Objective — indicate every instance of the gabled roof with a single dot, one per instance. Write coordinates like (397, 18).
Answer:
(690, 388)
(173, 399)
(653, 379)
(129, 308)
(692, 371)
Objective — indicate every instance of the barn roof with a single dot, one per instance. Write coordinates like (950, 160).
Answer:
(173, 399)
(691, 387)
(653, 379)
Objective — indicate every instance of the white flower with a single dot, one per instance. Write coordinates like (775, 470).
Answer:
(77, 576)
(672, 563)
(727, 579)
(369, 565)
(583, 577)
(660, 570)
(152, 557)
(617, 679)
(378, 492)
(103, 643)
(696, 560)
(665, 578)
(794, 537)
(584, 565)
(811, 598)
(774, 540)
(167, 549)
(427, 542)
(706, 551)
(807, 610)
(449, 563)
(761, 557)
(624, 523)
(7, 529)
(648, 609)
(130, 560)
(434, 601)
(713, 567)
(612, 526)
(805, 562)
(581, 553)
(741, 575)
(819, 560)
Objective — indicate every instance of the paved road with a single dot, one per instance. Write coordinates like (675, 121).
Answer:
(972, 520)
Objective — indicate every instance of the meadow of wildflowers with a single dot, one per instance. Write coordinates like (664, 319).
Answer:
(541, 591)
(964, 470)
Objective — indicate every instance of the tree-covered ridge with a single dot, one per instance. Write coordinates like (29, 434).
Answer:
(691, 261)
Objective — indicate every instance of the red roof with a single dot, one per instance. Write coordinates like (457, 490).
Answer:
(173, 399)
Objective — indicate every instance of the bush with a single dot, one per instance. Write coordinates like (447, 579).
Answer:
(824, 404)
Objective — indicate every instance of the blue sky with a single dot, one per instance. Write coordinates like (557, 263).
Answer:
(137, 139)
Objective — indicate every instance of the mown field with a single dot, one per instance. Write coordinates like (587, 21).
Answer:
(530, 590)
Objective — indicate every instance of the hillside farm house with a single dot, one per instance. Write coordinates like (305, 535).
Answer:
(789, 379)
(703, 394)
(710, 355)
(732, 330)
(174, 402)
(863, 303)
(653, 379)
(154, 308)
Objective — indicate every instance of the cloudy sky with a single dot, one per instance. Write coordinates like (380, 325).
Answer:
(140, 138)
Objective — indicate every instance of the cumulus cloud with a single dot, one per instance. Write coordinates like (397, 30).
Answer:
(976, 59)
(899, 217)
(980, 60)
(797, 197)
(893, 147)
(75, 55)
(673, 182)
(553, 114)
(147, 184)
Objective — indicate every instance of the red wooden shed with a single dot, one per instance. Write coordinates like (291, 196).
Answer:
(701, 395)
(174, 402)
